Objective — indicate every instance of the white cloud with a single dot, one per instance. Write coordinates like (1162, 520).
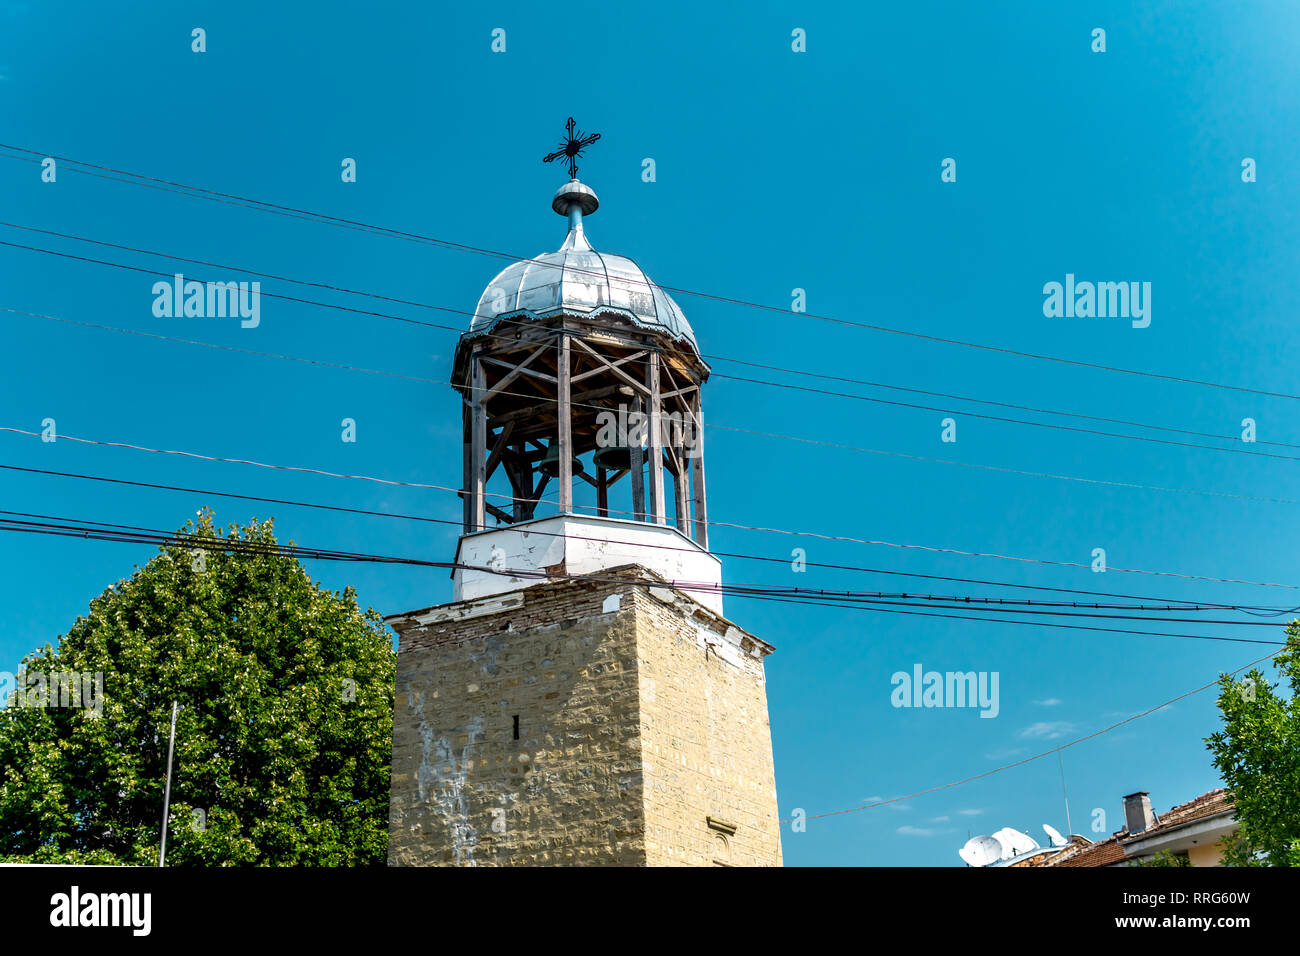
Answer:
(1003, 754)
(970, 812)
(920, 831)
(1049, 702)
(891, 806)
(1046, 730)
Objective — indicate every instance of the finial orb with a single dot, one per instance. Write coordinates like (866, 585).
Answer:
(574, 192)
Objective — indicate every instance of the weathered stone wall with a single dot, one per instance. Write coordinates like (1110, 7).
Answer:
(630, 736)
(707, 746)
(568, 791)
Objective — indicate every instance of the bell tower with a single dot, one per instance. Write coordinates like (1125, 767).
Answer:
(582, 699)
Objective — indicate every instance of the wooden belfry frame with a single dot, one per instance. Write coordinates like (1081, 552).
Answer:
(530, 385)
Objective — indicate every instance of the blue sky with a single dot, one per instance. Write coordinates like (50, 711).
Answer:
(775, 170)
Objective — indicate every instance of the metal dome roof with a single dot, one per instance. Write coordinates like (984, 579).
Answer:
(577, 278)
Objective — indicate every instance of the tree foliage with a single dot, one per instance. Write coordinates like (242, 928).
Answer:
(284, 736)
(1164, 858)
(1258, 755)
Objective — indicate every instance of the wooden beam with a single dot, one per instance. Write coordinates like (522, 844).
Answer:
(548, 405)
(671, 461)
(564, 433)
(655, 450)
(697, 476)
(520, 472)
(637, 469)
(467, 472)
(608, 367)
(478, 444)
(520, 370)
(498, 449)
(631, 337)
(681, 391)
(514, 337)
(606, 363)
(515, 372)
(602, 492)
(542, 481)
(681, 491)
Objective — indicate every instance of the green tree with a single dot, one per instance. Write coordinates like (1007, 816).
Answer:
(284, 736)
(1258, 755)
(1165, 858)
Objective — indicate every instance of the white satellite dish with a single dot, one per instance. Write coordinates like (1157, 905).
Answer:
(1016, 842)
(1007, 851)
(981, 851)
(1054, 835)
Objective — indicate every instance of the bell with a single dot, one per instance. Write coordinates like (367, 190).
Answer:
(550, 463)
(613, 458)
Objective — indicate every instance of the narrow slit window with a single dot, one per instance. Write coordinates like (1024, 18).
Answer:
(516, 726)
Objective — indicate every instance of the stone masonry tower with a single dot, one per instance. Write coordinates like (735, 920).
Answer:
(582, 699)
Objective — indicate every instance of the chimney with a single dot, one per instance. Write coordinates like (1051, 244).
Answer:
(1137, 812)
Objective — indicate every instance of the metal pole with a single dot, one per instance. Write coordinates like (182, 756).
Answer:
(167, 789)
(1069, 829)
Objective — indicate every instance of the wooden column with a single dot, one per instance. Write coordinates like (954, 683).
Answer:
(564, 434)
(520, 480)
(655, 449)
(602, 492)
(478, 446)
(637, 472)
(697, 475)
(467, 471)
(682, 487)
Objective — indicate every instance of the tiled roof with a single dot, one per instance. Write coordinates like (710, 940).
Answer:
(1206, 805)
(1105, 853)
(1111, 850)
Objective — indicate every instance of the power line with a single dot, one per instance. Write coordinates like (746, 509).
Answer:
(989, 401)
(108, 531)
(270, 295)
(990, 620)
(712, 357)
(821, 594)
(1006, 606)
(1008, 471)
(1006, 420)
(224, 348)
(712, 523)
(989, 554)
(1011, 352)
(1045, 753)
(711, 425)
(277, 208)
(738, 378)
(243, 461)
(1198, 605)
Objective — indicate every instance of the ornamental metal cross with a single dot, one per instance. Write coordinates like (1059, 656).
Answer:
(572, 147)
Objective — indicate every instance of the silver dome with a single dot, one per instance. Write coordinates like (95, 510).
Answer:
(577, 278)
